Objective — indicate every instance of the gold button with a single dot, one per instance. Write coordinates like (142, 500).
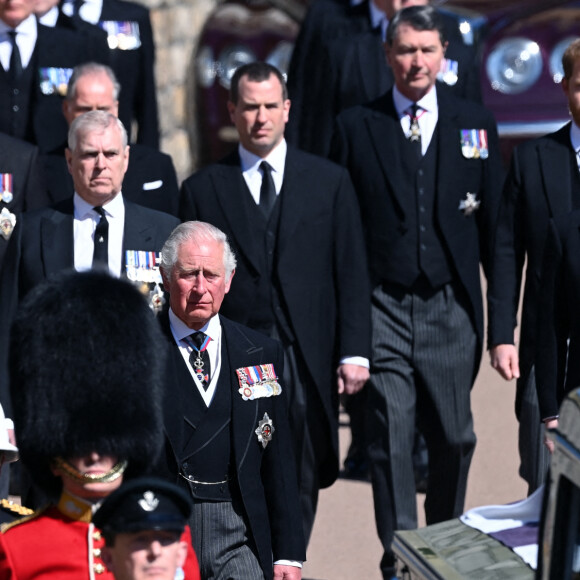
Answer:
(99, 568)
(96, 535)
(97, 552)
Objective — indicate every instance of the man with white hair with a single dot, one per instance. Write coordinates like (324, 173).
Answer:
(226, 419)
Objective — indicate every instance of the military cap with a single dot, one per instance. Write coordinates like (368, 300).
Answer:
(144, 503)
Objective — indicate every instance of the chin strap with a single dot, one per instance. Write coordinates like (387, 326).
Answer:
(114, 473)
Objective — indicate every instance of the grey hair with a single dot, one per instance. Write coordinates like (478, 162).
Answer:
(91, 68)
(94, 121)
(195, 231)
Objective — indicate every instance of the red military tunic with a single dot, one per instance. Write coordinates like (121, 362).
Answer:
(60, 542)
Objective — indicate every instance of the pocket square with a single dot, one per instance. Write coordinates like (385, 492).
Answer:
(152, 185)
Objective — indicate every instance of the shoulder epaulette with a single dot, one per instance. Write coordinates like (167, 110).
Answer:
(26, 513)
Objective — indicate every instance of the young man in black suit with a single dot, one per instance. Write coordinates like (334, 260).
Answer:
(426, 169)
(226, 419)
(293, 221)
(542, 184)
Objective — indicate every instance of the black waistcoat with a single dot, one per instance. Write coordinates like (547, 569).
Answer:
(16, 101)
(422, 251)
(207, 438)
(271, 311)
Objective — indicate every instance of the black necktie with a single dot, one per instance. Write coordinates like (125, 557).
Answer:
(268, 189)
(199, 357)
(77, 4)
(101, 250)
(15, 60)
(414, 130)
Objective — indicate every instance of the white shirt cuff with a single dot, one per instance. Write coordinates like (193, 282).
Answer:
(294, 563)
(361, 361)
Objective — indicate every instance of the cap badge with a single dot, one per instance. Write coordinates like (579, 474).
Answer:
(258, 381)
(149, 502)
(265, 430)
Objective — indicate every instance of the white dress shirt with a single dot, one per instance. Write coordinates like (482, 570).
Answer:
(90, 11)
(378, 18)
(85, 222)
(27, 33)
(213, 329)
(253, 174)
(50, 18)
(428, 114)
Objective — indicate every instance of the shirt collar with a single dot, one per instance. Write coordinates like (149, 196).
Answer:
(575, 136)
(50, 18)
(180, 330)
(83, 208)
(276, 158)
(27, 27)
(402, 103)
(76, 508)
(378, 17)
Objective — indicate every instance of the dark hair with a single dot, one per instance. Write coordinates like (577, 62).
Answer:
(570, 57)
(418, 18)
(256, 72)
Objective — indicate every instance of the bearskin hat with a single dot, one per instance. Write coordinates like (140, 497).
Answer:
(86, 359)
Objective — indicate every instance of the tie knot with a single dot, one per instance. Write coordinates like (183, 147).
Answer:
(99, 209)
(12, 34)
(414, 110)
(199, 340)
(266, 167)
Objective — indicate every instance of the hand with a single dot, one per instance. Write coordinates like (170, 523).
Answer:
(282, 572)
(351, 378)
(550, 424)
(505, 360)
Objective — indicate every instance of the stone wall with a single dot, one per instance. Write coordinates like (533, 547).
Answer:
(176, 27)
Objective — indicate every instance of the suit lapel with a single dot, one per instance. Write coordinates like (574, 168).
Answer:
(448, 141)
(57, 239)
(554, 160)
(230, 189)
(384, 127)
(241, 350)
(293, 197)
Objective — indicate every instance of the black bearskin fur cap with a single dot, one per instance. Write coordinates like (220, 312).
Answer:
(85, 374)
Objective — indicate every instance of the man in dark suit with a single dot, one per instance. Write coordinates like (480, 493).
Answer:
(294, 223)
(33, 76)
(354, 71)
(542, 184)
(132, 57)
(226, 422)
(426, 169)
(557, 364)
(150, 179)
(95, 227)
